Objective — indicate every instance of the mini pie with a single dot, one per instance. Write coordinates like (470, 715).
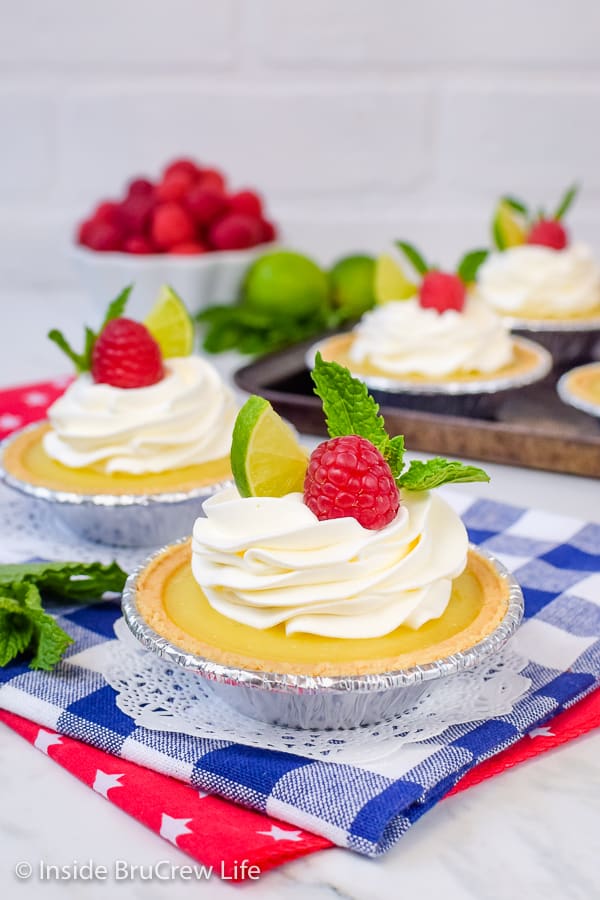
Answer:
(172, 603)
(26, 461)
(526, 359)
(581, 387)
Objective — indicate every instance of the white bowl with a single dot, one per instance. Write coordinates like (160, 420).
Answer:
(199, 280)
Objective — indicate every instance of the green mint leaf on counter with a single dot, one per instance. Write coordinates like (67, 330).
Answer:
(469, 265)
(347, 404)
(414, 257)
(423, 476)
(516, 204)
(394, 454)
(25, 627)
(566, 201)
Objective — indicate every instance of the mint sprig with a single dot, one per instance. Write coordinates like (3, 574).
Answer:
(25, 626)
(469, 265)
(566, 201)
(347, 404)
(350, 409)
(414, 257)
(83, 361)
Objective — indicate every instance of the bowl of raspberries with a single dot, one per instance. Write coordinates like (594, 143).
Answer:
(187, 229)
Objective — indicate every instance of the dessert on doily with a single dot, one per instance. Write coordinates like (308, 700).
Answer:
(540, 280)
(580, 387)
(144, 422)
(320, 590)
(435, 339)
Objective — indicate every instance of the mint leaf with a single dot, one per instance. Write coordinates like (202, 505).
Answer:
(394, 454)
(414, 257)
(347, 404)
(469, 265)
(516, 204)
(90, 340)
(566, 202)
(50, 640)
(117, 307)
(60, 340)
(423, 476)
(71, 580)
(16, 632)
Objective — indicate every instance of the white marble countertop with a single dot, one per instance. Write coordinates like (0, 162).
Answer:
(532, 832)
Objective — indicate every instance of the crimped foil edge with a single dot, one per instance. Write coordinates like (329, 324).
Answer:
(453, 388)
(316, 684)
(558, 326)
(571, 399)
(72, 498)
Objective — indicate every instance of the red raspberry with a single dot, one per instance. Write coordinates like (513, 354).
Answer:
(175, 186)
(268, 232)
(246, 202)
(172, 224)
(108, 211)
(235, 232)
(140, 186)
(212, 178)
(126, 356)
(348, 476)
(206, 204)
(136, 213)
(85, 230)
(442, 291)
(190, 248)
(182, 165)
(137, 244)
(548, 233)
(103, 236)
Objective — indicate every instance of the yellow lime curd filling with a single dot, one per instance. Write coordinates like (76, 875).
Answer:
(27, 460)
(173, 603)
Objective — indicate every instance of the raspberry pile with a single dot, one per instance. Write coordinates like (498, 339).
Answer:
(126, 355)
(348, 476)
(189, 211)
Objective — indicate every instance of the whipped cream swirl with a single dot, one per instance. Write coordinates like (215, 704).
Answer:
(266, 560)
(185, 419)
(535, 281)
(402, 338)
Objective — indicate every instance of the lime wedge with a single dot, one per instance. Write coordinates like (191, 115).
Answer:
(170, 324)
(509, 226)
(390, 281)
(266, 458)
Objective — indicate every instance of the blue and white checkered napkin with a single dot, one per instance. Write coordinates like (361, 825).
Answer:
(556, 560)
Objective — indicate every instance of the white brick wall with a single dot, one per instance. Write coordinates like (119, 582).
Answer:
(361, 121)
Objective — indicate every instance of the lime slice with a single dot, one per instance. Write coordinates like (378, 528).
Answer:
(509, 226)
(170, 324)
(390, 281)
(266, 458)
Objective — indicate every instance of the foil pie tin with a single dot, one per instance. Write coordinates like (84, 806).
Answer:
(122, 520)
(567, 340)
(568, 396)
(459, 398)
(319, 702)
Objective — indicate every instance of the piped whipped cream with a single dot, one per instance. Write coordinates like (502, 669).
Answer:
(534, 281)
(402, 338)
(265, 560)
(185, 419)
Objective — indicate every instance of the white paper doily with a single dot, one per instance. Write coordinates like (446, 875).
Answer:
(163, 697)
(29, 530)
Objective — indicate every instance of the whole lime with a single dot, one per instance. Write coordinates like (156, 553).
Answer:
(352, 281)
(285, 282)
